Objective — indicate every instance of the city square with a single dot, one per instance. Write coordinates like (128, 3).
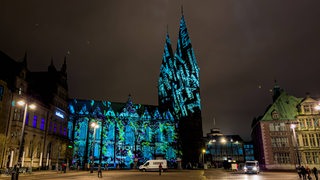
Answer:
(209, 174)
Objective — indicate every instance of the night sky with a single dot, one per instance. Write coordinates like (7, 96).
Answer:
(114, 48)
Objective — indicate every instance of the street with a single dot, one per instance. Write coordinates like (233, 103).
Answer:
(171, 174)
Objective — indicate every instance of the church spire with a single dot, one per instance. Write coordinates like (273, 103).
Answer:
(51, 67)
(24, 62)
(64, 66)
(166, 75)
(276, 91)
(182, 9)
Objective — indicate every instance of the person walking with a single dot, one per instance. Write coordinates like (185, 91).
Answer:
(303, 173)
(315, 172)
(160, 169)
(308, 173)
(299, 171)
(99, 171)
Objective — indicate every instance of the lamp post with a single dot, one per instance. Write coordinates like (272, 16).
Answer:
(94, 126)
(203, 151)
(293, 127)
(21, 146)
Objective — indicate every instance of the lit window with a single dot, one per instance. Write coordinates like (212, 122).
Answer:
(27, 119)
(42, 124)
(1, 92)
(35, 118)
(54, 127)
(60, 129)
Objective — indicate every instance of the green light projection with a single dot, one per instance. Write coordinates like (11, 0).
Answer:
(126, 131)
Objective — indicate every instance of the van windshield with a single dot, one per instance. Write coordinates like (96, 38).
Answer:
(250, 164)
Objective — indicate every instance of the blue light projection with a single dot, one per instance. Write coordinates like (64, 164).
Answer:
(126, 131)
(178, 85)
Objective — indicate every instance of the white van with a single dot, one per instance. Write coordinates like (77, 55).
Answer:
(153, 165)
(251, 167)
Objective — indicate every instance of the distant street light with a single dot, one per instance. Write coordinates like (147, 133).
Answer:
(21, 146)
(223, 140)
(94, 126)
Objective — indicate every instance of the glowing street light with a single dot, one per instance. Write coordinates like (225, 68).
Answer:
(94, 126)
(223, 140)
(21, 146)
(293, 127)
(203, 151)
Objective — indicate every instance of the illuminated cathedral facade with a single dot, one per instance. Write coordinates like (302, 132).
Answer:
(128, 134)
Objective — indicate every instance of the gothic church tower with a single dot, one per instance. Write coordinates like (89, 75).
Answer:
(179, 91)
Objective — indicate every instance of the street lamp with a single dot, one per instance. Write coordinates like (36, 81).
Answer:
(94, 126)
(293, 127)
(203, 151)
(21, 146)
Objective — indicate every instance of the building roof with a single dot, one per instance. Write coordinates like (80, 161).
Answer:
(10, 69)
(284, 108)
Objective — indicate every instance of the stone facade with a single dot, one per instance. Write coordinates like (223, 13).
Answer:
(45, 133)
(288, 134)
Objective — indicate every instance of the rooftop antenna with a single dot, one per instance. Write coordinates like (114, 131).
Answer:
(214, 122)
(167, 29)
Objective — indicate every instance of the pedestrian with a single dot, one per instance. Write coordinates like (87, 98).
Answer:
(315, 172)
(106, 166)
(14, 173)
(99, 171)
(303, 173)
(160, 169)
(299, 171)
(63, 167)
(308, 173)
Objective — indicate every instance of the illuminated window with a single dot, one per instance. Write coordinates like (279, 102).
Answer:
(35, 119)
(54, 127)
(275, 115)
(277, 127)
(1, 92)
(281, 158)
(42, 124)
(27, 119)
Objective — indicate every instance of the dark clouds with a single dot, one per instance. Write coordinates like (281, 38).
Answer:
(115, 48)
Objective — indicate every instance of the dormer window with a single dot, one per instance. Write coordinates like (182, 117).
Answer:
(275, 115)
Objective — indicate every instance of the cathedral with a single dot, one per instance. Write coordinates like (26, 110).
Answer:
(124, 135)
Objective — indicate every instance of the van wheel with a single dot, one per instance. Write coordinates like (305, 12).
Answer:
(144, 170)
